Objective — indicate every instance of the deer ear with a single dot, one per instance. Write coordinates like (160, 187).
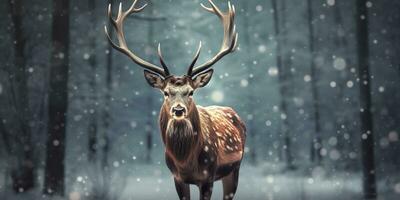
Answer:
(154, 79)
(202, 79)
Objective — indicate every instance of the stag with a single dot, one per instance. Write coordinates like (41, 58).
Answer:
(202, 144)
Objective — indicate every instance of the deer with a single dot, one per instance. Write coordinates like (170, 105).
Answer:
(202, 144)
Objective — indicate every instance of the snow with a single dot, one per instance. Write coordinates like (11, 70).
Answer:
(339, 63)
(217, 96)
(331, 2)
(307, 78)
(273, 71)
(265, 181)
(350, 84)
(244, 83)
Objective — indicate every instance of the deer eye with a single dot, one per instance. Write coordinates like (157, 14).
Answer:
(166, 94)
(191, 93)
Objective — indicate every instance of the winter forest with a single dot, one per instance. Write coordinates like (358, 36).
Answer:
(316, 82)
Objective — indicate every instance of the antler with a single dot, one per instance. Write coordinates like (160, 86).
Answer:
(230, 38)
(122, 47)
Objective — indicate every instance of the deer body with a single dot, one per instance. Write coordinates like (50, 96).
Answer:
(212, 149)
(202, 144)
(214, 146)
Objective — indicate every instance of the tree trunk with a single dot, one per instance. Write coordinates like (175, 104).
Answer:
(250, 123)
(343, 116)
(5, 137)
(23, 173)
(150, 116)
(92, 129)
(106, 113)
(367, 142)
(316, 145)
(282, 87)
(58, 100)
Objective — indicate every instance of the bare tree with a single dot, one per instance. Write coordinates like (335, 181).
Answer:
(149, 117)
(5, 136)
(106, 112)
(367, 142)
(23, 173)
(316, 144)
(282, 85)
(344, 114)
(92, 128)
(58, 100)
(250, 123)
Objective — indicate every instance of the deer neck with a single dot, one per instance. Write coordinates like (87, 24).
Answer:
(181, 137)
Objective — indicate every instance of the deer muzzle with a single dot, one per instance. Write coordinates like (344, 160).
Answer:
(178, 112)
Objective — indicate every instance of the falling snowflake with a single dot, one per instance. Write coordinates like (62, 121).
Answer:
(350, 84)
(244, 83)
(339, 63)
(307, 78)
(259, 8)
(262, 48)
(273, 71)
(86, 56)
(331, 2)
(217, 96)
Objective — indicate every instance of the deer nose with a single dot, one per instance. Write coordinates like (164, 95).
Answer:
(178, 111)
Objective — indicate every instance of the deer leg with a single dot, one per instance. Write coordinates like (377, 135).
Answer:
(182, 189)
(206, 190)
(230, 183)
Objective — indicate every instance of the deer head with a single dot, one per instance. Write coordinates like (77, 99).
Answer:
(177, 90)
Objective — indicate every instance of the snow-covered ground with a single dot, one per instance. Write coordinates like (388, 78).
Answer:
(148, 182)
(254, 184)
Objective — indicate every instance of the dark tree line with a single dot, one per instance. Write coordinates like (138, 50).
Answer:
(367, 141)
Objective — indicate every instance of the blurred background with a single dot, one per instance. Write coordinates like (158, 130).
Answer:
(316, 81)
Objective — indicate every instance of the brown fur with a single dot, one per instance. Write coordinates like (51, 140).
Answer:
(180, 138)
(216, 129)
(204, 146)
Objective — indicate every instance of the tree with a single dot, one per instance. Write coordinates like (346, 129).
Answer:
(92, 129)
(23, 173)
(344, 114)
(106, 112)
(250, 97)
(58, 100)
(316, 144)
(282, 86)
(367, 142)
(5, 136)
(150, 117)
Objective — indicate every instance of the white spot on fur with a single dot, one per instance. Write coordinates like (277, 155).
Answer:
(206, 148)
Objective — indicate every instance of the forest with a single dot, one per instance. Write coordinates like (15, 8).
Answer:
(316, 82)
